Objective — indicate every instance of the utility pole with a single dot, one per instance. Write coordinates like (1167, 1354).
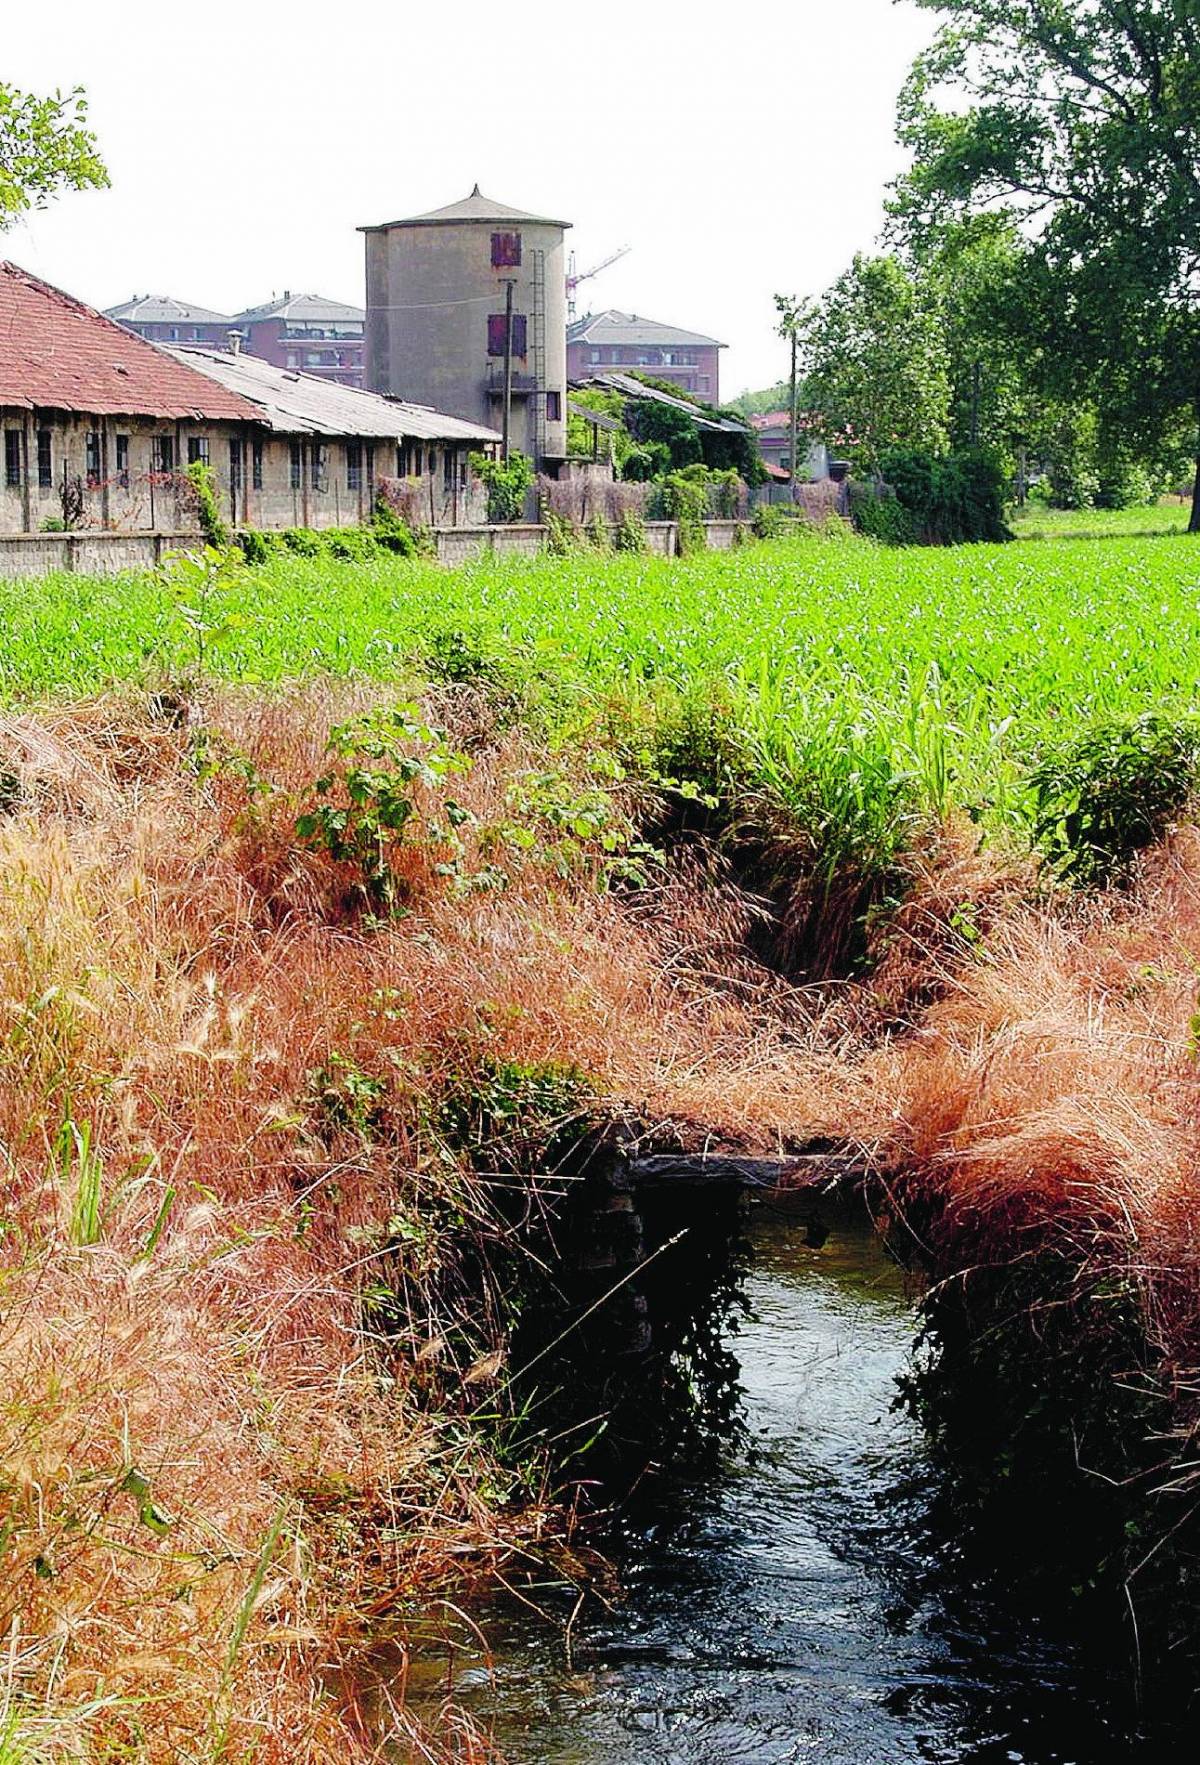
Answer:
(795, 424)
(508, 359)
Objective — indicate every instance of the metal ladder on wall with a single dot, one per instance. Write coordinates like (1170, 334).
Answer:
(537, 320)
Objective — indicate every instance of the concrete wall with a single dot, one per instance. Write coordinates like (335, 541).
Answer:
(90, 554)
(462, 544)
(106, 554)
(430, 291)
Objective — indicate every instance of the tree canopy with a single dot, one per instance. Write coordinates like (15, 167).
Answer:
(875, 365)
(45, 147)
(1080, 121)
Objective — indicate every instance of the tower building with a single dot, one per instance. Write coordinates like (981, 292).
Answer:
(437, 292)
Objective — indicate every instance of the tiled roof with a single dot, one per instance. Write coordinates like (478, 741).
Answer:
(57, 354)
(303, 404)
(163, 309)
(770, 420)
(630, 328)
(307, 308)
(474, 207)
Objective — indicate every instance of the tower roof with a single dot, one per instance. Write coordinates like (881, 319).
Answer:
(473, 208)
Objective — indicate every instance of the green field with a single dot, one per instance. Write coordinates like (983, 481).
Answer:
(937, 677)
(1136, 523)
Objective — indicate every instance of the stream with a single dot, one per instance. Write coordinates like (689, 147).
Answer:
(797, 1603)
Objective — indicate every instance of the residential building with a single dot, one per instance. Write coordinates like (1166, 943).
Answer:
(160, 318)
(627, 341)
(774, 432)
(309, 332)
(96, 421)
(437, 331)
(324, 449)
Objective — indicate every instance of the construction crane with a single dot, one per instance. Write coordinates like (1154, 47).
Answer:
(575, 277)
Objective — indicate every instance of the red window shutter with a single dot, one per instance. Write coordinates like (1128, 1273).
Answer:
(495, 333)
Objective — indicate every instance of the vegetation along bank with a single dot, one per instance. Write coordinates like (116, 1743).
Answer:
(342, 903)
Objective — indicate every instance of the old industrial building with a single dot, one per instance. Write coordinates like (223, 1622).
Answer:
(97, 425)
(437, 293)
(623, 341)
(327, 447)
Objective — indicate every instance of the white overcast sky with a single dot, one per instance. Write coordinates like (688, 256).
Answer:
(737, 152)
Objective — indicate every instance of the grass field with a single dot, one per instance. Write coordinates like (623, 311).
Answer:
(1141, 522)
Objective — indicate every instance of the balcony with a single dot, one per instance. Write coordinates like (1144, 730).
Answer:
(523, 383)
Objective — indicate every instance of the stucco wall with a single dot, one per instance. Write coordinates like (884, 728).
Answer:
(92, 554)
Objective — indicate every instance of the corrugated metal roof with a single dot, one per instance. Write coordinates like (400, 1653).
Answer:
(634, 388)
(304, 308)
(303, 404)
(629, 328)
(58, 354)
(474, 207)
(163, 309)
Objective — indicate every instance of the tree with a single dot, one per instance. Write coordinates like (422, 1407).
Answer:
(45, 147)
(875, 366)
(1080, 120)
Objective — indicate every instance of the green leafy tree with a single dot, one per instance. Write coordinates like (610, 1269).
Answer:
(45, 147)
(876, 373)
(1080, 120)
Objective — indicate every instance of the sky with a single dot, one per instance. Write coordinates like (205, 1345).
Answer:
(735, 154)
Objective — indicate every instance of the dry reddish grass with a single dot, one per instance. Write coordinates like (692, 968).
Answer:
(172, 972)
(1052, 1097)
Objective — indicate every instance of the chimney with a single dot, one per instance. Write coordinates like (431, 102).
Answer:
(234, 339)
(287, 294)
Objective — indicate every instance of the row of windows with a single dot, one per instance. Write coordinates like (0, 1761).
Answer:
(413, 459)
(646, 357)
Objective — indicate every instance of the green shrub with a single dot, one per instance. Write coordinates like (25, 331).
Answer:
(951, 499)
(256, 547)
(208, 510)
(630, 535)
(683, 498)
(1102, 799)
(879, 514)
(507, 483)
(304, 541)
(391, 529)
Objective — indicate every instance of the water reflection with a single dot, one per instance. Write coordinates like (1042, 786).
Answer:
(791, 1606)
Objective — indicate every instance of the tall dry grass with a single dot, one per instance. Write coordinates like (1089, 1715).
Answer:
(213, 1486)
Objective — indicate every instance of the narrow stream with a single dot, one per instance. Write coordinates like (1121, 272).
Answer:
(797, 1604)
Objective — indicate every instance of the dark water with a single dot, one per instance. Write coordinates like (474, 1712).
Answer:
(796, 1605)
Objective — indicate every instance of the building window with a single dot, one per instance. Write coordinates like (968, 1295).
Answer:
(704, 382)
(45, 447)
(320, 466)
(92, 458)
(123, 461)
(506, 251)
(554, 407)
(593, 355)
(496, 334)
(235, 465)
(293, 359)
(354, 465)
(256, 465)
(162, 453)
(447, 468)
(174, 333)
(462, 472)
(198, 450)
(297, 465)
(12, 457)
